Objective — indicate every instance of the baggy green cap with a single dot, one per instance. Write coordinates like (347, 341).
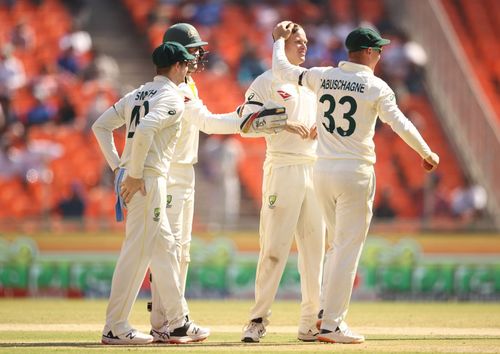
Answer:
(185, 34)
(362, 38)
(169, 53)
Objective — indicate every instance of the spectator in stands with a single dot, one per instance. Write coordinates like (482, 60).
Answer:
(384, 209)
(12, 74)
(72, 207)
(250, 65)
(42, 112)
(46, 83)
(8, 168)
(68, 61)
(103, 68)
(207, 13)
(77, 39)
(7, 115)
(32, 157)
(66, 113)
(22, 36)
(468, 203)
(214, 61)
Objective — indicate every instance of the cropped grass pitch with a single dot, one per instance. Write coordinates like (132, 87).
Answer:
(49, 325)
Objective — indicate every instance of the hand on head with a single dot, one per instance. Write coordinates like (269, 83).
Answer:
(283, 30)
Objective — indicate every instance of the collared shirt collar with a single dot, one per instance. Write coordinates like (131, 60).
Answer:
(167, 81)
(354, 67)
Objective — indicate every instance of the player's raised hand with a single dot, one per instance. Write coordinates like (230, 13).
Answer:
(297, 128)
(431, 162)
(130, 186)
(283, 30)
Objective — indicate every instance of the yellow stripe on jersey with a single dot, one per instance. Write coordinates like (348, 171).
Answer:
(192, 86)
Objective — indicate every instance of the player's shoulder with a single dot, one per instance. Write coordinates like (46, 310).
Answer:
(260, 85)
(321, 70)
(380, 85)
(263, 79)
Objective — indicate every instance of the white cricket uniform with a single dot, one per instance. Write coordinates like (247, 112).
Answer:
(350, 98)
(181, 178)
(289, 205)
(152, 115)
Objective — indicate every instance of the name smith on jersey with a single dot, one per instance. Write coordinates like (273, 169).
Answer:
(345, 85)
(141, 95)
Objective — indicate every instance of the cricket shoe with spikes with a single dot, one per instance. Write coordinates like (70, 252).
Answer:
(132, 337)
(254, 331)
(342, 334)
(188, 333)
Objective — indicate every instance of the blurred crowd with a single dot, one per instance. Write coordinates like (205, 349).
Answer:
(53, 82)
(57, 80)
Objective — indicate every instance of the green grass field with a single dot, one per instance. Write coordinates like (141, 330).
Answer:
(58, 325)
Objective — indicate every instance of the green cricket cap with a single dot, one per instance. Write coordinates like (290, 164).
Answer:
(169, 53)
(362, 38)
(185, 34)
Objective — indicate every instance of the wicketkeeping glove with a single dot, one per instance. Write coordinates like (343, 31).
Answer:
(267, 120)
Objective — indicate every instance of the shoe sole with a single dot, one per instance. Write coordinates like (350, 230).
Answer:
(185, 341)
(249, 340)
(329, 340)
(124, 343)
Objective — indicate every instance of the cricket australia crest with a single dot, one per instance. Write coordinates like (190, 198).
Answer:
(272, 201)
(156, 214)
(169, 200)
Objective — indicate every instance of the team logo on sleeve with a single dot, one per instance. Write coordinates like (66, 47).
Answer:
(169, 200)
(172, 112)
(284, 95)
(272, 201)
(156, 214)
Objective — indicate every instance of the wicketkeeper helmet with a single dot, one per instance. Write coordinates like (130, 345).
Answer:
(185, 34)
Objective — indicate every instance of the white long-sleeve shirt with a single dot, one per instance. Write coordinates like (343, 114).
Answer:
(197, 117)
(152, 115)
(350, 98)
(284, 148)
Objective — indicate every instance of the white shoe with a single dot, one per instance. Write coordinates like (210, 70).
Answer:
(310, 336)
(160, 335)
(254, 331)
(133, 337)
(188, 333)
(341, 335)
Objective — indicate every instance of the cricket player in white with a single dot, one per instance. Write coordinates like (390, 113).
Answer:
(289, 205)
(181, 178)
(152, 116)
(350, 98)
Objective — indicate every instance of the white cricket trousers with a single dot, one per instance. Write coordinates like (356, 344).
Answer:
(345, 190)
(289, 209)
(180, 211)
(148, 243)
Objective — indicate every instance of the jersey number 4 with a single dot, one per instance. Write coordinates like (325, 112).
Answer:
(347, 116)
(135, 118)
